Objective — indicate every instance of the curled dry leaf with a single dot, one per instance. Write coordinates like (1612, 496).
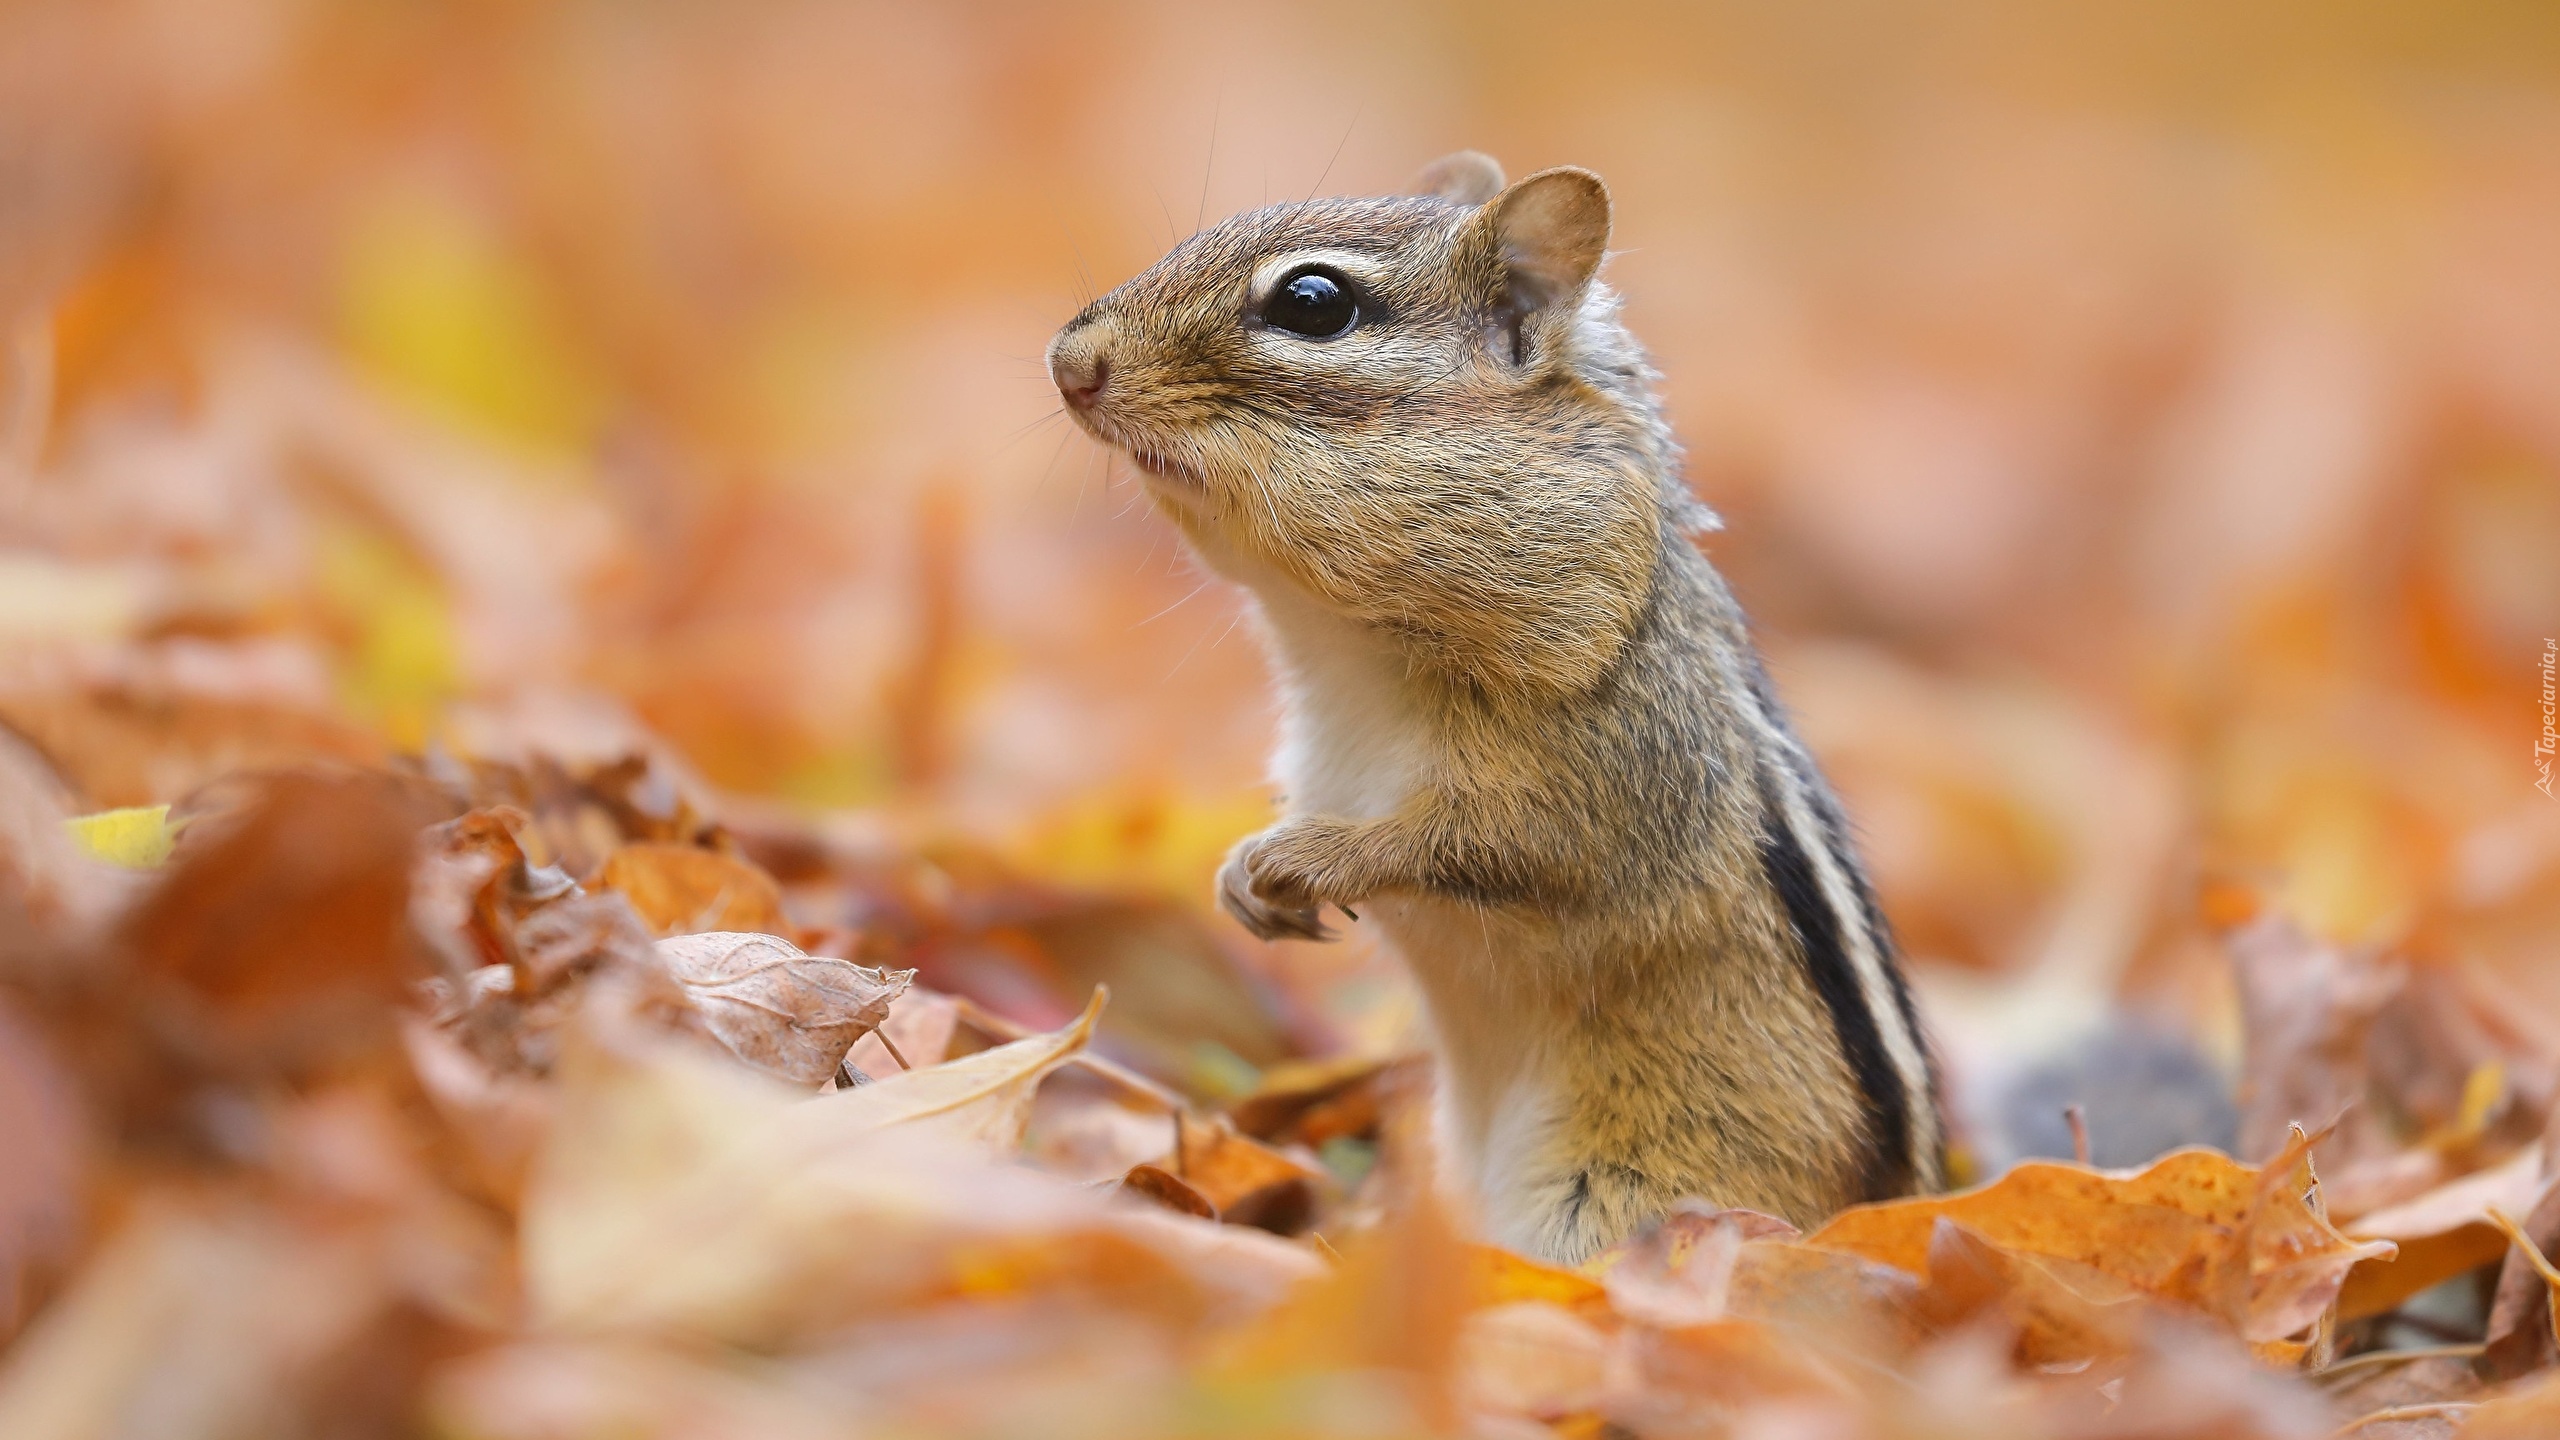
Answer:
(984, 1097)
(787, 1013)
(1249, 1182)
(684, 889)
(2523, 1335)
(1162, 1186)
(1311, 1101)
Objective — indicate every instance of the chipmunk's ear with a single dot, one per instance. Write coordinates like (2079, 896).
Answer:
(1469, 177)
(1549, 231)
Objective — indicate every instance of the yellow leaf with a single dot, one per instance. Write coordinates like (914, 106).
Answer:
(404, 661)
(437, 306)
(137, 839)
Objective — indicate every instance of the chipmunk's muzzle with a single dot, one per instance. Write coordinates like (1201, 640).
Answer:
(1080, 364)
(1096, 385)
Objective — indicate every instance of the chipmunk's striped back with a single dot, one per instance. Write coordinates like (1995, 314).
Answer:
(1847, 951)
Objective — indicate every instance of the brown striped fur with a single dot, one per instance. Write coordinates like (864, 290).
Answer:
(1524, 730)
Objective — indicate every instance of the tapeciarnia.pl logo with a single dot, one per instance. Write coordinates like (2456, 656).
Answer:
(2543, 746)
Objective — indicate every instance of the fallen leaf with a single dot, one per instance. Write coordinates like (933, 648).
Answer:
(2061, 1312)
(2441, 1234)
(2196, 1230)
(1249, 1182)
(2520, 1339)
(985, 1097)
(2529, 1250)
(1154, 1182)
(52, 894)
(546, 1389)
(920, 1026)
(137, 838)
(2309, 1009)
(2529, 1413)
(1311, 1101)
(193, 1321)
(1504, 1277)
(786, 1013)
(1532, 1358)
(682, 1194)
(683, 890)
(1086, 1129)
(276, 939)
(42, 1134)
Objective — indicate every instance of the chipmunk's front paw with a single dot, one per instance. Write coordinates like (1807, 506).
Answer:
(1274, 881)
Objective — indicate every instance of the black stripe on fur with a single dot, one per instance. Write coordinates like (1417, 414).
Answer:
(1835, 979)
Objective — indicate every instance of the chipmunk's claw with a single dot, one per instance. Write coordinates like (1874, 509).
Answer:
(1264, 899)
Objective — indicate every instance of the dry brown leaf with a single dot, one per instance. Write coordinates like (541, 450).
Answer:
(985, 1097)
(1249, 1182)
(2520, 1336)
(682, 1194)
(193, 1321)
(276, 939)
(2196, 1230)
(1154, 1182)
(1138, 1089)
(1680, 1272)
(1311, 1101)
(546, 1389)
(1732, 1363)
(142, 740)
(2528, 1413)
(2308, 1008)
(501, 1117)
(1394, 1306)
(920, 1025)
(1084, 1128)
(684, 889)
(2440, 1234)
(787, 1013)
(1532, 1358)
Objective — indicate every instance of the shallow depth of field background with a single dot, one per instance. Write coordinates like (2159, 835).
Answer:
(2138, 427)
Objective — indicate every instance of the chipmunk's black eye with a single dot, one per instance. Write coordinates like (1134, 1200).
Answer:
(1315, 303)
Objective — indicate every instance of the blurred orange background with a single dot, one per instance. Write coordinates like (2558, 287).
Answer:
(2138, 427)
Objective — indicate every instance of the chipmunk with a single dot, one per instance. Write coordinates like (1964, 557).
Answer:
(1524, 730)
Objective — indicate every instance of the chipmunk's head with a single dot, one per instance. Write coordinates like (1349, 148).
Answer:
(1420, 410)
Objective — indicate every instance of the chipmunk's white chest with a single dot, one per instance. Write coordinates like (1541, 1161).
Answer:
(1356, 736)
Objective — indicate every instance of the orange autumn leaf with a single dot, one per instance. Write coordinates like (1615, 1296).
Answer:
(683, 889)
(2196, 1230)
(1506, 1277)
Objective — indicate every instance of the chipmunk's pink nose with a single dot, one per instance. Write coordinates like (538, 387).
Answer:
(1080, 363)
